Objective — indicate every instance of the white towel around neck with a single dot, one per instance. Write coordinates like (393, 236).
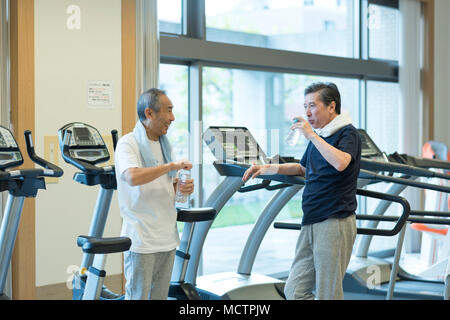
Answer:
(337, 123)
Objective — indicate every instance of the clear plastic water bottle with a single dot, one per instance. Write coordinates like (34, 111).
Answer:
(293, 136)
(183, 175)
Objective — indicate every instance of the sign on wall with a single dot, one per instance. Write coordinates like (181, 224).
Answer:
(99, 93)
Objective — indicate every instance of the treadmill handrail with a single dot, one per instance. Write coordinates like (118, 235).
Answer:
(366, 174)
(425, 213)
(373, 165)
(263, 185)
(399, 221)
(421, 162)
(236, 169)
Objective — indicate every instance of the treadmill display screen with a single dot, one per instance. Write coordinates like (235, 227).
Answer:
(234, 143)
(89, 153)
(368, 147)
(6, 156)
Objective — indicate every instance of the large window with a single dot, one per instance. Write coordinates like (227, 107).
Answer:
(339, 41)
(170, 15)
(383, 127)
(383, 114)
(323, 27)
(383, 32)
(265, 103)
(174, 80)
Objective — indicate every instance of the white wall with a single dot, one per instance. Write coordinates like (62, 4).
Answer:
(442, 72)
(66, 59)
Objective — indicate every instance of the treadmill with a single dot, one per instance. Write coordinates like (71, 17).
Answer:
(235, 150)
(360, 281)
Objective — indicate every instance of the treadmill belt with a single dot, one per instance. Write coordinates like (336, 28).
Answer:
(416, 290)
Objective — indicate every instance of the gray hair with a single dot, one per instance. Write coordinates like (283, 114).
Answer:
(328, 92)
(149, 99)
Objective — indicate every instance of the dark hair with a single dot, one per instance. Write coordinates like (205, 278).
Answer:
(328, 92)
(149, 99)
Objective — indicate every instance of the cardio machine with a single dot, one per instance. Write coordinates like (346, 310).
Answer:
(83, 147)
(21, 184)
(404, 285)
(359, 282)
(235, 150)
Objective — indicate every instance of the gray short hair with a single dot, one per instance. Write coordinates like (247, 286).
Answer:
(149, 99)
(328, 92)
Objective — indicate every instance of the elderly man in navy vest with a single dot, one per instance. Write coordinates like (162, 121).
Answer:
(331, 166)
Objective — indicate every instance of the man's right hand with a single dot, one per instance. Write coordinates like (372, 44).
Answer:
(257, 169)
(181, 164)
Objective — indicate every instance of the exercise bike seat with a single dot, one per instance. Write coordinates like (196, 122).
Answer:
(195, 214)
(103, 245)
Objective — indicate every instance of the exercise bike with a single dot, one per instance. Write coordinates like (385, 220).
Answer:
(83, 147)
(21, 184)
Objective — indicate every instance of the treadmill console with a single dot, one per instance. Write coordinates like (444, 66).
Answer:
(86, 143)
(10, 155)
(234, 144)
(369, 150)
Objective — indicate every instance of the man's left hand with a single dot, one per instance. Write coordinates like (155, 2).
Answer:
(187, 187)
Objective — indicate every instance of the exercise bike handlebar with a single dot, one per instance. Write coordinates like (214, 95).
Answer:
(50, 169)
(80, 164)
(115, 138)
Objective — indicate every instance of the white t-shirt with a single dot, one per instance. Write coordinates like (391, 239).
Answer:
(148, 211)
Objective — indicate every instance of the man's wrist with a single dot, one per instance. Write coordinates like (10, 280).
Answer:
(312, 136)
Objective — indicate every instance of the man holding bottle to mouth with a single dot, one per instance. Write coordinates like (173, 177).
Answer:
(330, 166)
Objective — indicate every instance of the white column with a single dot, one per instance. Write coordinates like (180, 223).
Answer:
(147, 46)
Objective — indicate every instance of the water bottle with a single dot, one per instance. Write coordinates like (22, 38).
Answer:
(293, 135)
(183, 175)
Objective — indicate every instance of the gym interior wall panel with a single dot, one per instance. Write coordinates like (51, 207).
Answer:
(77, 49)
(442, 71)
(21, 14)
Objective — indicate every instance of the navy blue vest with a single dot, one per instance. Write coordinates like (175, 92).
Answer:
(329, 192)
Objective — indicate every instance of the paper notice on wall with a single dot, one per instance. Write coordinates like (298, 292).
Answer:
(99, 93)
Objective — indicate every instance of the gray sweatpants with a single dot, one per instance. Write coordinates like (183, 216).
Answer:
(322, 255)
(148, 275)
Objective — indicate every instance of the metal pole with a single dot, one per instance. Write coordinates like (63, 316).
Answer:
(270, 211)
(8, 234)
(395, 263)
(216, 200)
(98, 222)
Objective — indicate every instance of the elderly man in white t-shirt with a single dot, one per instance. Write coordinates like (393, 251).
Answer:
(146, 187)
